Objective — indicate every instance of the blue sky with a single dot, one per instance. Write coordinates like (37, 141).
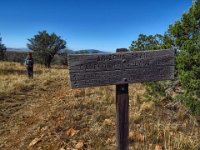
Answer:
(87, 24)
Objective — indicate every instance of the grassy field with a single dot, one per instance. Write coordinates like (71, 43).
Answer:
(43, 113)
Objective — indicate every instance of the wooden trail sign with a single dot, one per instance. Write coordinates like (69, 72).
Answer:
(121, 68)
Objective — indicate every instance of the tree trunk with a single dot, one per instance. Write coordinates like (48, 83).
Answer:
(48, 61)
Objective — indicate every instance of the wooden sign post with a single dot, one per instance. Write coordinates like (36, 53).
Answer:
(121, 68)
(122, 113)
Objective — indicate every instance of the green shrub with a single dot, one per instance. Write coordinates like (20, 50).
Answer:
(190, 102)
(184, 35)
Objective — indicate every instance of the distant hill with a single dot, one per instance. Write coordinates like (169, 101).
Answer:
(89, 51)
(18, 49)
(68, 50)
(19, 54)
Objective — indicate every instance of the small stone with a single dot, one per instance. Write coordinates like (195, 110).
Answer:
(71, 132)
(79, 145)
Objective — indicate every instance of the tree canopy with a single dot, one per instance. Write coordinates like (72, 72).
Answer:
(185, 35)
(45, 46)
(149, 42)
(2, 50)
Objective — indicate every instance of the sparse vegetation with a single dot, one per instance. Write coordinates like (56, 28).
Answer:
(15, 56)
(45, 113)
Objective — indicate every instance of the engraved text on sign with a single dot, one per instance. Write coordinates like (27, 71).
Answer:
(120, 68)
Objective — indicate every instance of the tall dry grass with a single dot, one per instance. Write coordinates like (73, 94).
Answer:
(13, 77)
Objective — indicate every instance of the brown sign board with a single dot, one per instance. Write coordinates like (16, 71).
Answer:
(87, 70)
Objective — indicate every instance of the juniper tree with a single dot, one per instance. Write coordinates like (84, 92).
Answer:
(148, 42)
(45, 46)
(185, 35)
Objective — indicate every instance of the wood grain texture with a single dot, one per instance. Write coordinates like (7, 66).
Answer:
(120, 68)
(122, 114)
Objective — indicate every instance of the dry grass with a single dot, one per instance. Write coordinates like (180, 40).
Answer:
(13, 77)
(44, 113)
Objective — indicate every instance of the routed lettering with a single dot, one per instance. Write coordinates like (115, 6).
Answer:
(120, 68)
